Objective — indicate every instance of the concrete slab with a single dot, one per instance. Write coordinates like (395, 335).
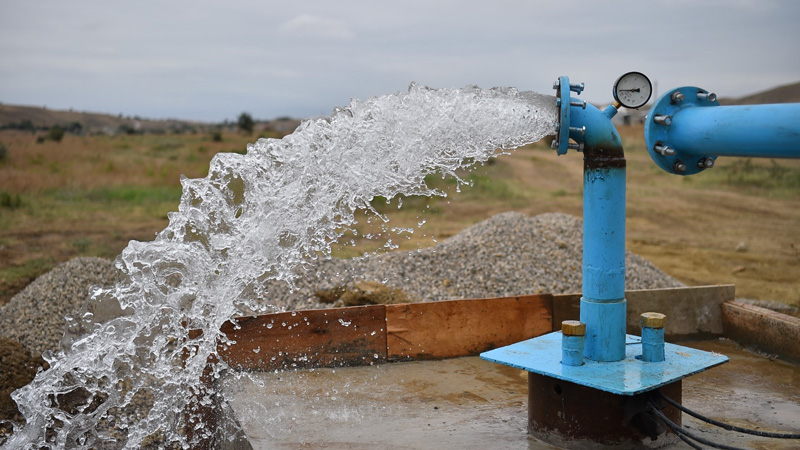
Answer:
(473, 404)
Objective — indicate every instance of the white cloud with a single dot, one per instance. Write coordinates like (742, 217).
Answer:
(316, 27)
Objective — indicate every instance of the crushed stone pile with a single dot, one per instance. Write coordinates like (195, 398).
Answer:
(508, 254)
(35, 316)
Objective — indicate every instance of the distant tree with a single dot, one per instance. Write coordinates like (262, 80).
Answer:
(75, 128)
(125, 129)
(216, 136)
(245, 123)
(3, 152)
(27, 125)
(56, 133)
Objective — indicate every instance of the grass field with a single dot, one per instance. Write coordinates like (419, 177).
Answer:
(737, 223)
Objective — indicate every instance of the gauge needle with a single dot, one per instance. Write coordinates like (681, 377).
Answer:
(630, 90)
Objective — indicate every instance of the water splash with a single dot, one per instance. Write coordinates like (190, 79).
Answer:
(130, 368)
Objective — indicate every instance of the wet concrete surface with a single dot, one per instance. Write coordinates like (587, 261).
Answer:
(468, 403)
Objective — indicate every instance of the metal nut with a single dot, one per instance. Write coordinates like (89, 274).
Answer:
(573, 328)
(653, 320)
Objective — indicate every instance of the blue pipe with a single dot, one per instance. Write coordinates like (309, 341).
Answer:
(686, 130)
(603, 306)
(767, 131)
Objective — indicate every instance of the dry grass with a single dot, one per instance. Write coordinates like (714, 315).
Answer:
(90, 196)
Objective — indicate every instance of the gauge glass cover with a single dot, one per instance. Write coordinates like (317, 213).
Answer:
(633, 90)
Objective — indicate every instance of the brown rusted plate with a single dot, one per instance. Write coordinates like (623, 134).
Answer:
(560, 412)
(304, 339)
(450, 329)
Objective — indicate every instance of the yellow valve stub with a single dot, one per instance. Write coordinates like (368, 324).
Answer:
(653, 320)
(573, 328)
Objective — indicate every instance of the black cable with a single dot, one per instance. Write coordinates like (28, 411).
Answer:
(686, 439)
(678, 429)
(727, 426)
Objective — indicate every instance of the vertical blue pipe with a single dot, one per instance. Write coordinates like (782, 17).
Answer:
(603, 307)
(652, 344)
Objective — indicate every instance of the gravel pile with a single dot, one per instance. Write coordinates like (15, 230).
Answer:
(35, 316)
(508, 254)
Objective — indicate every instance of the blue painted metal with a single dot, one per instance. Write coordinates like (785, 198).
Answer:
(572, 350)
(630, 376)
(605, 328)
(603, 306)
(562, 101)
(700, 129)
(652, 344)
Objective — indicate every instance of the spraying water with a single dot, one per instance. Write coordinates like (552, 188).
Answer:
(256, 218)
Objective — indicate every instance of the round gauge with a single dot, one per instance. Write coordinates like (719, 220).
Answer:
(633, 90)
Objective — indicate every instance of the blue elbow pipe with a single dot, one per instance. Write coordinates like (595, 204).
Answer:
(686, 130)
(603, 306)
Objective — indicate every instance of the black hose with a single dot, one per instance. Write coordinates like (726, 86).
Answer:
(686, 439)
(727, 426)
(680, 430)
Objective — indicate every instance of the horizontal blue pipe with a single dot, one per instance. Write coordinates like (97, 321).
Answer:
(766, 131)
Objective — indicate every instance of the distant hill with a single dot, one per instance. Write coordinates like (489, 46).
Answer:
(39, 118)
(789, 93)
(91, 123)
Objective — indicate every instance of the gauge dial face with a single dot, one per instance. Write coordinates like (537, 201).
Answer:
(633, 90)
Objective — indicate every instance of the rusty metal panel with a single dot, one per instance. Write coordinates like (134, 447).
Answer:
(561, 412)
(303, 339)
(454, 328)
(767, 330)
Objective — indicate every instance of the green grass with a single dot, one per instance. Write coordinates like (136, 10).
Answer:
(772, 178)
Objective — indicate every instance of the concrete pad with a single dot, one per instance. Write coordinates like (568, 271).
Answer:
(472, 404)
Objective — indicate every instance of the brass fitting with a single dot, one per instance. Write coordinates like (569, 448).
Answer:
(573, 328)
(653, 320)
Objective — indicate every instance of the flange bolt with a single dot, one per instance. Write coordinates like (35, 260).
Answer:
(577, 88)
(581, 130)
(677, 97)
(578, 147)
(663, 120)
(679, 167)
(582, 104)
(663, 150)
(705, 163)
(710, 96)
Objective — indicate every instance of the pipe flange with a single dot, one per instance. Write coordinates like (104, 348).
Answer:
(660, 122)
(561, 144)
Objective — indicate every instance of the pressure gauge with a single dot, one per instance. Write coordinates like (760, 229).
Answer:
(632, 90)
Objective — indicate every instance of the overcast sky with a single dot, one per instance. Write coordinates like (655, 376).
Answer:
(210, 60)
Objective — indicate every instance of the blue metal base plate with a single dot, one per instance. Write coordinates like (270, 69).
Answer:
(630, 376)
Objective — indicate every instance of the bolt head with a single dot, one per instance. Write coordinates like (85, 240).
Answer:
(679, 167)
(677, 97)
(554, 144)
(705, 163)
(573, 328)
(653, 320)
